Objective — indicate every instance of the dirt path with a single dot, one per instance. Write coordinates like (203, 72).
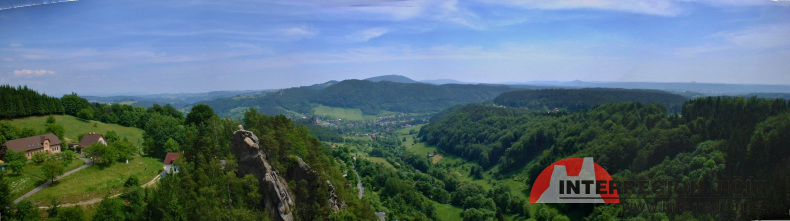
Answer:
(39, 187)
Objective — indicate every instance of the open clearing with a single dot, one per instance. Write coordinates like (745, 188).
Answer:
(74, 127)
(96, 181)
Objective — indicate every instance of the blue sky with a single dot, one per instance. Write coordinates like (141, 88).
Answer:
(106, 47)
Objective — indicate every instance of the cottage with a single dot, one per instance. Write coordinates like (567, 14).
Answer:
(89, 139)
(169, 159)
(48, 143)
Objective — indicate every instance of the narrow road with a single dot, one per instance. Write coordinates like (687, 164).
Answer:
(359, 183)
(39, 187)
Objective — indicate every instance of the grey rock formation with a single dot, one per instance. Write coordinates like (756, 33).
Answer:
(252, 160)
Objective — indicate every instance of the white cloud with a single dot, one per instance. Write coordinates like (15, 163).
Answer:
(367, 34)
(28, 72)
(299, 32)
(15, 45)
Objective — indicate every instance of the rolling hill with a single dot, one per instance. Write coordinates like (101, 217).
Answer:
(370, 97)
(577, 99)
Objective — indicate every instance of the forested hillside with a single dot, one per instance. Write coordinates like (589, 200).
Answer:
(21, 101)
(578, 99)
(370, 97)
(714, 138)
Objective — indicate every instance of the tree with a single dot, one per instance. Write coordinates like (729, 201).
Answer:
(85, 114)
(5, 196)
(200, 113)
(67, 156)
(40, 157)
(72, 104)
(171, 146)
(101, 154)
(111, 136)
(50, 119)
(53, 210)
(25, 210)
(478, 214)
(73, 213)
(15, 161)
(161, 128)
(123, 149)
(110, 209)
(56, 129)
(52, 169)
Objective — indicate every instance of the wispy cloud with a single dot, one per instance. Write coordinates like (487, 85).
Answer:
(4, 5)
(299, 32)
(367, 34)
(649, 7)
(29, 73)
(15, 45)
(761, 37)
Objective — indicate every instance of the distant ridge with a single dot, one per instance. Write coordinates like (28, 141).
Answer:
(445, 81)
(392, 78)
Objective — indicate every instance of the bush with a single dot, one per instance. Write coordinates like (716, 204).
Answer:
(85, 114)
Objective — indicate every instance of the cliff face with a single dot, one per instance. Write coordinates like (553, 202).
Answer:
(277, 198)
(252, 160)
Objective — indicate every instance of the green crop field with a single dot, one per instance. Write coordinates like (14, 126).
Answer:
(74, 127)
(339, 113)
(31, 177)
(96, 182)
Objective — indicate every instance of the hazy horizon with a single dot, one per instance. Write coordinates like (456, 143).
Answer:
(107, 47)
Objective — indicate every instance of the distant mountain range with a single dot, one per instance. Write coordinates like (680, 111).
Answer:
(403, 94)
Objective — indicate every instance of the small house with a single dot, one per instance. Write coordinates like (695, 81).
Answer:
(169, 159)
(89, 139)
(48, 143)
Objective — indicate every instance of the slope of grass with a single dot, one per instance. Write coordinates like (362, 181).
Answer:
(447, 211)
(32, 176)
(96, 181)
(74, 127)
(339, 113)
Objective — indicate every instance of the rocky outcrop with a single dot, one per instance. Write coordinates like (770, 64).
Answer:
(252, 160)
(302, 171)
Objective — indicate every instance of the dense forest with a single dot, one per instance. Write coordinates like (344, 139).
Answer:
(370, 97)
(579, 99)
(713, 138)
(22, 101)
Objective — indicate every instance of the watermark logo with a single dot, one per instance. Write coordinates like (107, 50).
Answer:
(574, 180)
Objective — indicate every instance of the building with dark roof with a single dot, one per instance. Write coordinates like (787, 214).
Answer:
(29, 145)
(89, 139)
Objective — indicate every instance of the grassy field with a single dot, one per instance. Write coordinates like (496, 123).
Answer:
(447, 211)
(339, 113)
(95, 181)
(352, 114)
(31, 177)
(74, 127)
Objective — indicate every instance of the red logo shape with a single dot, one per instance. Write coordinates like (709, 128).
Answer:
(574, 180)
